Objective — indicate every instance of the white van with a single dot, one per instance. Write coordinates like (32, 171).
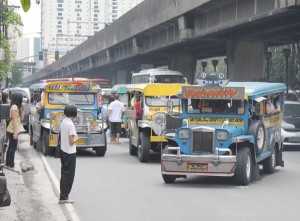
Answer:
(158, 75)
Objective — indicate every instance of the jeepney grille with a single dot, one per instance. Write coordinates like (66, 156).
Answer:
(173, 123)
(202, 142)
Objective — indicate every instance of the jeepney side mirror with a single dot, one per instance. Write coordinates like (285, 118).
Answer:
(169, 106)
(258, 108)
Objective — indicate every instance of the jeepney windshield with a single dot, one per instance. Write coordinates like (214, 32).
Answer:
(224, 107)
(71, 98)
(161, 101)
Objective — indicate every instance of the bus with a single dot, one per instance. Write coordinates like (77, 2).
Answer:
(158, 75)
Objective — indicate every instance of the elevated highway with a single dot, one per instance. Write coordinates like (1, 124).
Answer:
(178, 33)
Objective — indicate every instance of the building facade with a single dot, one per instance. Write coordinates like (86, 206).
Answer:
(66, 24)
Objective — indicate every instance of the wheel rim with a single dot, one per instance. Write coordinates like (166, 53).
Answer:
(248, 166)
(260, 138)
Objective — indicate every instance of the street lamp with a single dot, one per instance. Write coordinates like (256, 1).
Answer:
(286, 53)
(268, 56)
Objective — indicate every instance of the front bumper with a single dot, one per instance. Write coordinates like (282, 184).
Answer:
(202, 165)
(84, 141)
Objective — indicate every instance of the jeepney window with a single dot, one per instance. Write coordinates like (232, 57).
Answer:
(71, 98)
(161, 101)
(225, 107)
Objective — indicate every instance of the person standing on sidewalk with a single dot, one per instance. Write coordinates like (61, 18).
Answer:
(116, 112)
(68, 138)
(14, 127)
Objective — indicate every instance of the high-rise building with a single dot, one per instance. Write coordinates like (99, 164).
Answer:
(66, 24)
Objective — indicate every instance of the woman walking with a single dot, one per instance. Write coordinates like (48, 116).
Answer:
(14, 127)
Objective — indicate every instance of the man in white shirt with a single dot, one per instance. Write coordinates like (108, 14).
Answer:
(68, 138)
(116, 112)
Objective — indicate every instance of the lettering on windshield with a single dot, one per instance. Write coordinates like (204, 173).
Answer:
(71, 87)
(212, 93)
(216, 120)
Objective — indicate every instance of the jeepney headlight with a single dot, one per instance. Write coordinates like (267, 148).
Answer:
(184, 134)
(222, 135)
(159, 119)
(89, 117)
(96, 128)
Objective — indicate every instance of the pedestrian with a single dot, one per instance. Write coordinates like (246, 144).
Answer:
(68, 138)
(110, 99)
(14, 127)
(116, 112)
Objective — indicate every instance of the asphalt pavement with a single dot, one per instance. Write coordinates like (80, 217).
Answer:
(33, 196)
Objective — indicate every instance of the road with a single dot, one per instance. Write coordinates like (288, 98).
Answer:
(118, 187)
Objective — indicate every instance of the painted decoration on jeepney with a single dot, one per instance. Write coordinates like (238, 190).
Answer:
(216, 120)
(69, 87)
(211, 92)
(273, 120)
(212, 78)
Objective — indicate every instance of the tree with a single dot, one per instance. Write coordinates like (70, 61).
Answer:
(12, 20)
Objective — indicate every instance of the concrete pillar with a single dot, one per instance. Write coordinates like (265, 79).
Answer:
(246, 60)
(185, 64)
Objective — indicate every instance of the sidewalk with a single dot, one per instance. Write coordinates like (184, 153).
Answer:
(32, 194)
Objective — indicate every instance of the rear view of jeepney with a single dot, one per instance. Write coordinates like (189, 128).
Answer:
(225, 132)
(89, 126)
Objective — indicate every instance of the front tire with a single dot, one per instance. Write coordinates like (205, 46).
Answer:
(243, 171)
(46, 150)
(143, 150)
(169, 178)
(100, 151)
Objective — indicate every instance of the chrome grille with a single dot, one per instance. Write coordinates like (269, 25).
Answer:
(202, 142)
(173, 123)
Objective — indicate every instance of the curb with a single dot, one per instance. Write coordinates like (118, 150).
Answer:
(68, 209)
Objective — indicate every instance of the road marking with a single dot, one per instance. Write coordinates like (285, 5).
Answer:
(69, 207)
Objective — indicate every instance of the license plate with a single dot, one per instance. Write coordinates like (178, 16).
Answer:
(197, 166)
(294, 139)
(80, 141)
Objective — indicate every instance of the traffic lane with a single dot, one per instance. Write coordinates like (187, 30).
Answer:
(118, 186)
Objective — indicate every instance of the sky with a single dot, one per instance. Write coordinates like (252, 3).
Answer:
(31, 19)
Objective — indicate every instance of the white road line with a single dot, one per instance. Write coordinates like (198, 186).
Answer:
(69, 207)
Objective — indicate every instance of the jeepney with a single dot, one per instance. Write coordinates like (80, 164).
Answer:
(225, 131)
(121, 90)
(90, 129)
(146, 134)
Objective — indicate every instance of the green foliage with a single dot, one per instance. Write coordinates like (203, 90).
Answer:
(25, 5)
(12, 20)
(278, 65)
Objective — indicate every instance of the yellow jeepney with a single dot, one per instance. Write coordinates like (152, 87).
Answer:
(146, 131)
(89, 126)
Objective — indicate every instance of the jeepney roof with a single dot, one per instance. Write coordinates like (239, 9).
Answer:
(156, 89)
(119, 88)
(255, 89)
(38, 87)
